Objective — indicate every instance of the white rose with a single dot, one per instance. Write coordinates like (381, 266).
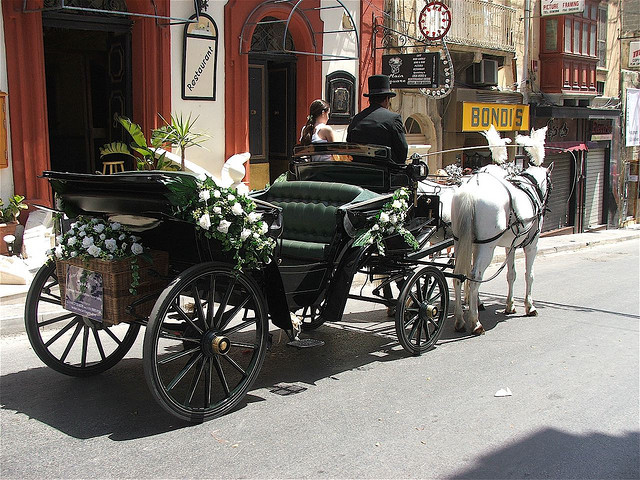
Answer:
(82, 227)
(223, 226)
(217, 210)
(237, 209)
(58, 251)
(59, 239)
(264, 228)
(72, 241)
(231, 198)
(115, 226)
(94, 250)
(122, 237)
(216, 193)
(397, 204)
(246, 233)
(74, 254)
(98, 228)
(124, 246)
(102, 236)
(254, 217)
(136, 249)
(205, 221)
(202, 177)
(74, 225)
(256, 235)
(384, 217)
(111, 244)
(82, 233)
(87, 242)
(393, 219)
(204, 195)
(375, 227)
(133, 238)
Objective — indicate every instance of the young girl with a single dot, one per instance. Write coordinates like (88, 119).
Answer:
(316, 129)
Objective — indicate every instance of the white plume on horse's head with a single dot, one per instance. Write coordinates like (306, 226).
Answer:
(497, 144)
(534, 144)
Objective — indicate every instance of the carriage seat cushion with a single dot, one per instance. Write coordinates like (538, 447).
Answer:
(309, 214)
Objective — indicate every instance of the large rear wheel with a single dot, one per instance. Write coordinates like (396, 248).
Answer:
(205, 341)
(422, 310)
(65, 341)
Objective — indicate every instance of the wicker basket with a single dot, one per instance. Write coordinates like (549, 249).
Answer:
(116, 281)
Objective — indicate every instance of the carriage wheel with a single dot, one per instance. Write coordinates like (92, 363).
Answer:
(65, 341)
(205, 341)
(422, 310)
(311, 318)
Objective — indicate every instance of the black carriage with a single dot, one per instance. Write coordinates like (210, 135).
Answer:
(207, 323)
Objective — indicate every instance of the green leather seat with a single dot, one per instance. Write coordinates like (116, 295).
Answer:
(309, 214)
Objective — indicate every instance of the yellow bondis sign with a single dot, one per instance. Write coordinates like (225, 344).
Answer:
(506, 117)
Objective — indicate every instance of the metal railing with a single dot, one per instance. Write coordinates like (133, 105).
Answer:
(482, 24)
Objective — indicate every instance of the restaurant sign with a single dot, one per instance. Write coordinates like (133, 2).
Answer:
(477, 117)
(199, 60)
(412, 70)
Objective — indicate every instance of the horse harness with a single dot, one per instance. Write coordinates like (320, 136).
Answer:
(526, 183)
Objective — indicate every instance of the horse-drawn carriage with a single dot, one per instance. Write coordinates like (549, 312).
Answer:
(208, 320)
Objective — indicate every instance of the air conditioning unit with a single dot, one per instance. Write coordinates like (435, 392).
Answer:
(486, 72)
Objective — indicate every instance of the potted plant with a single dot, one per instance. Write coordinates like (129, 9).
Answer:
(9, 219)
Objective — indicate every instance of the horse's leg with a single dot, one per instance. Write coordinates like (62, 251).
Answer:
(530, 252)
(484, 254)
(458, 312)
(511, 278)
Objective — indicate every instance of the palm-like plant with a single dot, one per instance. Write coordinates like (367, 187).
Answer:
(178, 132)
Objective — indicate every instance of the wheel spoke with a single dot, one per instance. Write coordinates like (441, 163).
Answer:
(431, 289)
(413, 330)
(185, 317)
(98, 342)
(194, 359)
(223, 305)
(223, 379)
(228, 316)
(410, 320)
(85, 342)
(419, 322)
(194, 383)
(244, 345)
(235, 365)
(237, 328)
(211, 301)
(55, 300)
(207, 383)
(198, 306)
(418, 290)
(414, 297)
(62, 332)
(113, 336)
(72, 340)
(175, 356)
(57, 319)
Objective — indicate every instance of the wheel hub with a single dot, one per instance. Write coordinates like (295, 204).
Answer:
(214, 344)
(428, 311)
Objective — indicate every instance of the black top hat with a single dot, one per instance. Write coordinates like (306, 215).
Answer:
(379, 85)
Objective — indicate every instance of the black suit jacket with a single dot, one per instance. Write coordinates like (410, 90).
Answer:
(378, 126)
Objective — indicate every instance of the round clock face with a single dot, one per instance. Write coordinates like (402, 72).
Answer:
(435, 20)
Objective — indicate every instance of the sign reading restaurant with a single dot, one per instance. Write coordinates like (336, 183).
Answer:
(477, 117)
(561, 7)
(412, 70)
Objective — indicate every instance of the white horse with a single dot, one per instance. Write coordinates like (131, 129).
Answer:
(494, 209)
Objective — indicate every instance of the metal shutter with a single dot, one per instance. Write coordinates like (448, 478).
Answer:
(563, 187)
(594, 188)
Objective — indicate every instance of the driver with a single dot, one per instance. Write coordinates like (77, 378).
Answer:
(376, 124)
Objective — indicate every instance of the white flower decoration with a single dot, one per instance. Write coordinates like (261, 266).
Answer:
(254, 217)
(204, 195)
(71, 241)
(136, 249)
(216, 193)
(87, 242)
(205, 221)
(94, 251)
(236, 209)
(223, 226)
(246, 233)
(115, 226)
(264, 228)
(98, 228)
(384, 217)
(217, 210)
(111, 244)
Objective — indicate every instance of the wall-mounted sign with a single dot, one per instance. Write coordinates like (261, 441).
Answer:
(561, 7)
(412, 70)
(340, 93)
(505, 117)
(200, 58)
(632, 132)
(634, 54)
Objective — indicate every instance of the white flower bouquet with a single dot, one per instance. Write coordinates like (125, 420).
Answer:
(95, 238)
(224, 215)
(389, 221)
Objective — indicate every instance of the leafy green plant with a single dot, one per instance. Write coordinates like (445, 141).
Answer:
(178, 133)
(11, 212)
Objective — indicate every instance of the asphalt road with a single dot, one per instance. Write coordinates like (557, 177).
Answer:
(359, 407)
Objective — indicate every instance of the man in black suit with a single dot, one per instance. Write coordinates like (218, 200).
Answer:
(376, 124)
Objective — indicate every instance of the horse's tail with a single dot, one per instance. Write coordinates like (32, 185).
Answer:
(462, 219)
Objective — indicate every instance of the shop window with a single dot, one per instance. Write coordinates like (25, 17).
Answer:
(600, 88)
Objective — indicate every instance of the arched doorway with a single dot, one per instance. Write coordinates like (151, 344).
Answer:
(272, 101)
(88, 81)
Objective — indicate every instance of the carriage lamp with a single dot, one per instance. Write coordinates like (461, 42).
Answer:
(9, 240)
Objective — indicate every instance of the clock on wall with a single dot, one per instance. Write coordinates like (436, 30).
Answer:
(434, 20)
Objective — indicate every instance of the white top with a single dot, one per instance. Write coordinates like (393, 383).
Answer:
(315, 138)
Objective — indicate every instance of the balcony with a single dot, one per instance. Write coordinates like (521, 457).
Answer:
(481, 24)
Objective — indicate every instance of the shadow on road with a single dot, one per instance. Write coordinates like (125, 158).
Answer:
(551, 453)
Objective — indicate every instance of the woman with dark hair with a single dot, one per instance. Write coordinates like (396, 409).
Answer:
(316, 129)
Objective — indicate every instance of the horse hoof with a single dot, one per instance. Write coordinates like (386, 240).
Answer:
(460, 329)
(532, 313)
(478, 330)
(509, 311)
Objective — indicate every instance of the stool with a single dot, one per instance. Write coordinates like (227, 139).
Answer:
(113, 167)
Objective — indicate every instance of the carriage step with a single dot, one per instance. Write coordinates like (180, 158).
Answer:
(305, 343)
